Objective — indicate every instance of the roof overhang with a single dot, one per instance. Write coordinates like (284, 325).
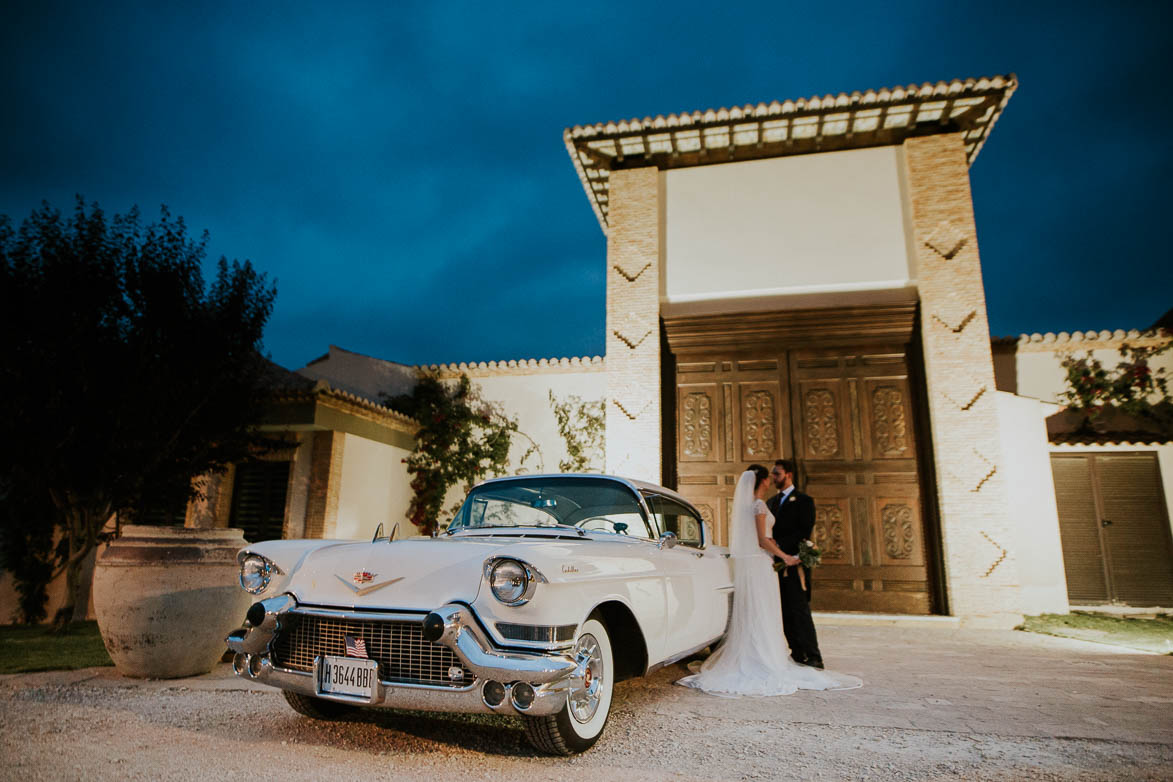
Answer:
(833, 122)
(324, 408)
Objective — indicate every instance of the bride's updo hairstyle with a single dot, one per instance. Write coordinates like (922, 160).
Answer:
(760, 474)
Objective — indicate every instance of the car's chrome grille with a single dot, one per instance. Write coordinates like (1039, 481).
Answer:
(399, 647)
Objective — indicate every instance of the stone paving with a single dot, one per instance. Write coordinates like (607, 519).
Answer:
(938, 702)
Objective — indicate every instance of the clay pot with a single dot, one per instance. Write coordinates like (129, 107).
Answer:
(165, 598)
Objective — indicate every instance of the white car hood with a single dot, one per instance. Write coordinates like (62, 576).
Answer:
(413, 574)
(421, 574)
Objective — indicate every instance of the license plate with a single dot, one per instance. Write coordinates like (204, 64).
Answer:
(348, 676)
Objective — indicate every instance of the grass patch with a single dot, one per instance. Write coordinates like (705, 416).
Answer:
(28, 648)
(1148, 634)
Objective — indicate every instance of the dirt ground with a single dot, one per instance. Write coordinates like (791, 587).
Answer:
(937, 703)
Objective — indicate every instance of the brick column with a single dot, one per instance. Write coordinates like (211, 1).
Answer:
(321, 512)
(633, 325)
(980, 564)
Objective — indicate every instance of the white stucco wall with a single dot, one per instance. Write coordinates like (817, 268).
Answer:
(374, 489)
(526, 397)
(831, 223)
(1040, 375)
(1033, 514)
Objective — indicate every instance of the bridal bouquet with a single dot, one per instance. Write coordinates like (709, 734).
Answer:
(810, 554)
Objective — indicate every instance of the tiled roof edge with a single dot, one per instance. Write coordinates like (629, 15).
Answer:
(518, 367)
(1111, 438)
(942, 89)
(322, 387)
(1079, 339)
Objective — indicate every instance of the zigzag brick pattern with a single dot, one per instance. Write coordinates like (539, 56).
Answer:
(633, 309)
(959, 372)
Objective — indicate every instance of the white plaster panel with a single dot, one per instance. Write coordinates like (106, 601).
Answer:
(526, 397)
(1040, 373)
(806, 224)
(1030, 495)
(374, 489)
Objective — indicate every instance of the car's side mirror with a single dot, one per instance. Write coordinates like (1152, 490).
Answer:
(668, 540)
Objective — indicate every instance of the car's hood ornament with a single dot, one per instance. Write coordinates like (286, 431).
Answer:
(364, 577)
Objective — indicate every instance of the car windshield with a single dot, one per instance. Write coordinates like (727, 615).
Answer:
(595, 504)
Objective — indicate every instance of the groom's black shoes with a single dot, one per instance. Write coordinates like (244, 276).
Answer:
(813, 662)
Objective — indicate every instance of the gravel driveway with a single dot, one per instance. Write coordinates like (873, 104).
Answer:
(936, 704)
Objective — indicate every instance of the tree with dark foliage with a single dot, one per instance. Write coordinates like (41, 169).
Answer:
(124, 377)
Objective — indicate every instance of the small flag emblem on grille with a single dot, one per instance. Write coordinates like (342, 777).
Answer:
(355, 647)
(362, 577)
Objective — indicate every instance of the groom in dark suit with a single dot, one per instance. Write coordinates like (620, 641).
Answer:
(794, 518)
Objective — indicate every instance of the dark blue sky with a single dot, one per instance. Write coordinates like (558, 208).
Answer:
(399, 168)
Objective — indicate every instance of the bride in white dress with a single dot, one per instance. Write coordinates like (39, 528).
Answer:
(753, 659)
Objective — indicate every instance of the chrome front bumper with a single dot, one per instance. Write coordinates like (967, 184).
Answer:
(552, 675)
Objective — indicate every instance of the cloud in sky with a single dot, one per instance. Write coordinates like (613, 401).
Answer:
(399, 168)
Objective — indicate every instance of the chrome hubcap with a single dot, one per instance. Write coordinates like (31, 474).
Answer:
(584, 697)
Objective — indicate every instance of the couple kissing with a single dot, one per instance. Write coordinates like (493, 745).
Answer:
(768, 607)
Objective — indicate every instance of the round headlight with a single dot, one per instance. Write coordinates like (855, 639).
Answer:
(509, 582)
(255, 572)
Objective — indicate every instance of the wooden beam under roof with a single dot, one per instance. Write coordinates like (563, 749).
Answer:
(994, 92)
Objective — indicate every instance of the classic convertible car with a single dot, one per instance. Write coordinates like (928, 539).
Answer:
(543, 592)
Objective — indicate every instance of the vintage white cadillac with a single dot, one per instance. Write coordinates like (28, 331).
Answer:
(544, 592)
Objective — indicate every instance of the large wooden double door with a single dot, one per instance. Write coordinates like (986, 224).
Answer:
(847, 416)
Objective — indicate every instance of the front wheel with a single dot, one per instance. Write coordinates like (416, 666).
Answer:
(579, 724)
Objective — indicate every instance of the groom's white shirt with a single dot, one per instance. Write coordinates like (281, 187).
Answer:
(786, 493)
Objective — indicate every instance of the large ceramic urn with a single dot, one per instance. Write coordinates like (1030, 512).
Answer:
(166, 597)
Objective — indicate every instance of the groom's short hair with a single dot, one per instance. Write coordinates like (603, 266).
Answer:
(787, 465)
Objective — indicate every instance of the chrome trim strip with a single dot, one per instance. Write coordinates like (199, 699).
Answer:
(373, 616)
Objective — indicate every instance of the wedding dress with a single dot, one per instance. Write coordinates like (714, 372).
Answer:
(753, 660)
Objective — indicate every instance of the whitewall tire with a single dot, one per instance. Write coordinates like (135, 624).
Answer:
(580, 722)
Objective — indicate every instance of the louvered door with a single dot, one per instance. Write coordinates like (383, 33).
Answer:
(1114, 528)
(258, 499)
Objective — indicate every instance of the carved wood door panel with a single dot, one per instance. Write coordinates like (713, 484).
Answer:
(847, 417)
(856, 440)
(730, 413)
